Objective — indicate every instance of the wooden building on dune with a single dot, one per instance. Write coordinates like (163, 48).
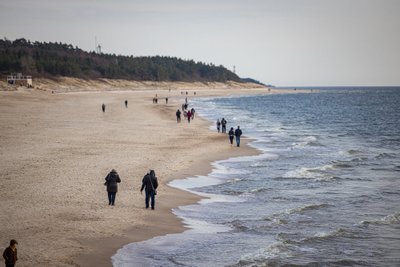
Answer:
(19, 79)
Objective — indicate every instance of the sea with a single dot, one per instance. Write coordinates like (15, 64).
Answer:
(325, 190)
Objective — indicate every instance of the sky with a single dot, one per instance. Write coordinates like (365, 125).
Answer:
(278, 42)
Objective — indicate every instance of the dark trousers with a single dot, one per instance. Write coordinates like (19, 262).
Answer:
(237, 140)
(231, 139)
(150, 196)
(111, 197)
(10, 265)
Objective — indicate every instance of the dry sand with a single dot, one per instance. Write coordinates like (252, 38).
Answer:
(56, 148)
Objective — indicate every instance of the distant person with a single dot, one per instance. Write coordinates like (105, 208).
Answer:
(192, 111)
(126, 103)
(223, 124)
(218, 125)
(238, 133)
(166, 100)
(112, 180)
(178, 115)
(231, 135)
(103, 107)
(10, 254)
(189, 115)
(150, 184)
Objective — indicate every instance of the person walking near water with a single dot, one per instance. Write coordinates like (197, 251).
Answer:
(218, 125)
(231, 135)
(126, 103)
(192, 111)
(112, 180)
(103, 107)
(238, 133)
(189, 116)
(10, 254)
(223, 123)
(149, 184)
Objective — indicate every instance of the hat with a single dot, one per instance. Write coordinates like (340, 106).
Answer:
(13, 241)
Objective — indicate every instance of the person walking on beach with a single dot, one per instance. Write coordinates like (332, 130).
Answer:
(10, 254)
(112, 180)
(192, 111)
(126, 103)
(218, 125)
(223, 123)
(149, 184)
(178, 116)
(189, 116)
(238, 133)
(231, 135)
(166, 100)
(103, 107)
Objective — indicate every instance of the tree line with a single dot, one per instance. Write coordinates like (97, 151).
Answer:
(42, 59)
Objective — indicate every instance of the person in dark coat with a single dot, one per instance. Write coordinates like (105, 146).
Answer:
(178, 116)
(218, 125)
(10, 254)
(192, 111)
(103, 107)
(150, 184)
(112, 180)
(238, 133)
(189, 115)
(231, 135)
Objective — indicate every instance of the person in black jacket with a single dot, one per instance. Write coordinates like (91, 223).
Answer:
(112, 180)
(150, 184)
(231, 135)
(238, 133)
(10, 254)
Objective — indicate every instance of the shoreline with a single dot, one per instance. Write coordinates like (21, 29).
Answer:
(105, 248)
(73, 146)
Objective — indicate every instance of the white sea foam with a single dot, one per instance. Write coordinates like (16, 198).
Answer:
(320, 173)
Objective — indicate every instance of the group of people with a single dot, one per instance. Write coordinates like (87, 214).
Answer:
(235, 133)
(188, 114)
(221, 127)
(149, 185)
(222, 123)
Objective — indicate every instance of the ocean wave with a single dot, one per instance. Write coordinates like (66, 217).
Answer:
(307, 141)
(259, 190)
(316, 173)
(387, 220)
(343, 165)
(326, 236)
(354, 152)
(386, 156)
(263, 255)
(307, 208)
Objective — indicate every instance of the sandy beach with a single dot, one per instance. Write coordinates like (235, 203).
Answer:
(56, 149)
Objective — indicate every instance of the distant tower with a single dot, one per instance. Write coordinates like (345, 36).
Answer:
(97, 47)
(234, 69)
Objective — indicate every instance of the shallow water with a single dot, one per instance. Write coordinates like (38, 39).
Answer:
(325, 191)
